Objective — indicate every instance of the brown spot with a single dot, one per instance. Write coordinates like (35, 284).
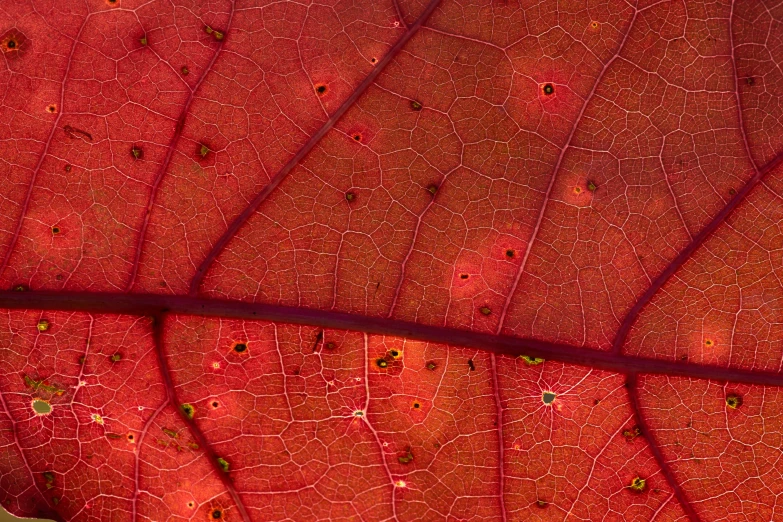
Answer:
(357, 137)
(185, 71)
(548, 89)
(509, 253)
(320, 89)
(51, 108)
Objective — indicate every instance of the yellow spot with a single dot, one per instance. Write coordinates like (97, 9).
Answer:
(216, 365)
(401, 484)
(733, 401)
(97, 418)
(638, 484)
(43, 325)
(532, 361)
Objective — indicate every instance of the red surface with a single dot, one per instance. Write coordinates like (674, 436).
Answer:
(388, 204)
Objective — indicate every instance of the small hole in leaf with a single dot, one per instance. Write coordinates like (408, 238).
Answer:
(549, 89)
(190, 504)
(577, 190)
(548, 397)
(320, 89)
(41, 407)
(350, 196)
(217, 514)
(394, 353)
(509, 253)
(240, 347)
(381, 363)
(733, 401)
(416, 106)
(55, 230)
(130, 437)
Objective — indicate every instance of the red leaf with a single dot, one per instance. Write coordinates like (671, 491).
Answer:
(445, 261)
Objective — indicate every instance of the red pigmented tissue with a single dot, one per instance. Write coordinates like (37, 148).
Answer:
(448, 260)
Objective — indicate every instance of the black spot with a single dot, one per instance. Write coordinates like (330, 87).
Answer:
(357, 137)
(373, 60)
(130, 436)
(394, 353)
(240, 347)
(733, 401)
(549, 89)
(215, 404)
(471, 365)
(509, 253)
(416, 405)
(320, 89)
(216, 514)
(464, 276)
(55, 230)
(11, 44)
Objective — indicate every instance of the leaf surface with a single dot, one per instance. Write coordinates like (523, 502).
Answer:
(456, 260)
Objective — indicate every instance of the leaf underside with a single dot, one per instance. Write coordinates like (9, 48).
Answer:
(456, 260)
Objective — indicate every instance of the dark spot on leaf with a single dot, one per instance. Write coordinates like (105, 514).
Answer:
(548, 397)
(381, 363)
(216, 514)
(215, 404)
(549, 89)
(55, 500)
(596, 402)
(55, 230)
(406, 459)
(143, 40)
(417, 405)
(82, 359)
(350, 196)
(320, 89)
(51, 108)
(464, 276)
(240, 347)
(394, 353)
(591, 186)
(373, 60)
(113, 436)
(217, 35)
(130, 437)
(471, 365)
(485, 310)
(67, 168)
(733, 401)
(11, 44)
(637, 485)
(188, 410)
(750, 80)
(116, 357)
(185, 71)
(202, 150)
(509, 253)
(357, 137)
(432, 189)
(136, 152)
(416, 106)
(431, 365)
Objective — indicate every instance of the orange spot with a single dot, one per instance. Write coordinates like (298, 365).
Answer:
(709, 343)
(594, 24)
(216, 365)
